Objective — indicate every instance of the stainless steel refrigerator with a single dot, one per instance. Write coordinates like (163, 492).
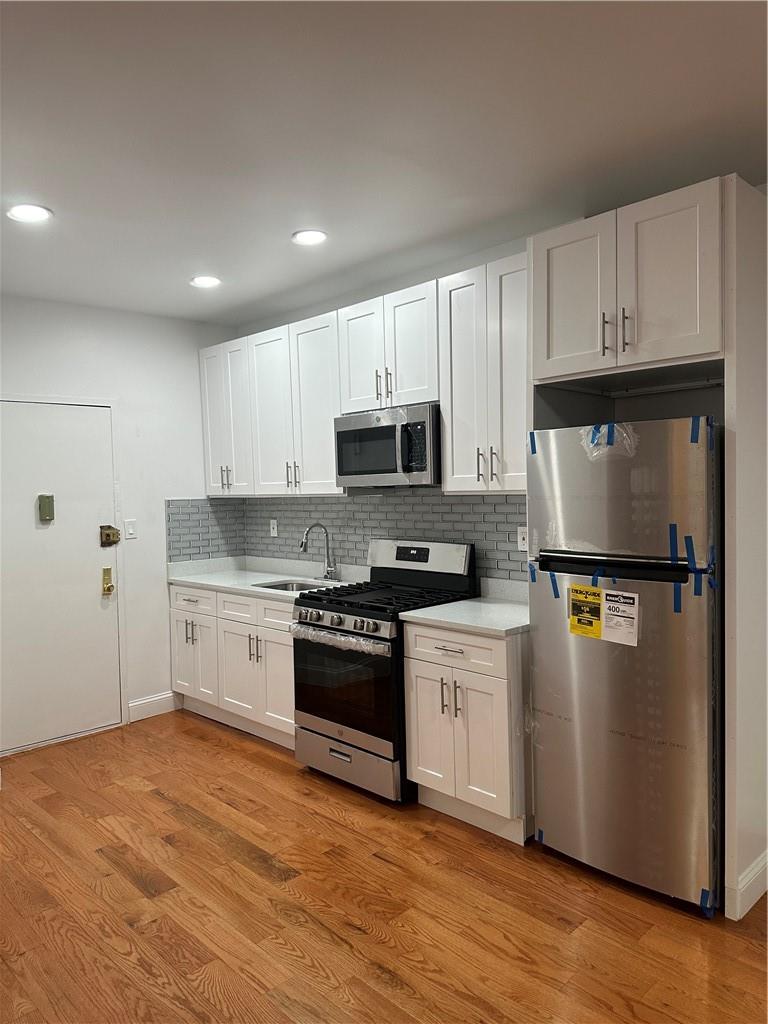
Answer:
(623, 522)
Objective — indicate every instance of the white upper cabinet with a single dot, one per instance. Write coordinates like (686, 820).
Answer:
(316, 401)
(361, 356)
(464, 380)
(573, 297)
(227, 418)
(483, 376)
(410, 341)
(271, 415)
(507, 372)
(668, 259)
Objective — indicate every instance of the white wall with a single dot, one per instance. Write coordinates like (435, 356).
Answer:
(148, 366)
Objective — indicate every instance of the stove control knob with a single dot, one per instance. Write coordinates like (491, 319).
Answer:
(303, 614)
(372, 627)
(315, 616)
(359, 624)
(336, 620)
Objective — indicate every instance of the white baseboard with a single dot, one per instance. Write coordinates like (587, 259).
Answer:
(157, 704)
(513, 829)
(752, 883)
(263, 732)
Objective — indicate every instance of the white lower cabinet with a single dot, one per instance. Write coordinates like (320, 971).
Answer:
(234, 664)
(457, 730)
(194, 656)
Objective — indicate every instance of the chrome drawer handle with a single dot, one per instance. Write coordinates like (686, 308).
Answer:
(340, 755)
(191, 600)
(449, 650)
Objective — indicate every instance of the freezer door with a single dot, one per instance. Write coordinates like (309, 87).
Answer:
(623, 738)
(617, 488)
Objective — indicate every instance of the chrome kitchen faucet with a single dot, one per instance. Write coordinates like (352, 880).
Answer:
(330, 571)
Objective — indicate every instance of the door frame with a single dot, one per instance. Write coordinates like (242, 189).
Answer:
(113, 406)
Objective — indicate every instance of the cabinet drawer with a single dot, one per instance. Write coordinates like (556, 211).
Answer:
(459, 650)
(190, 600)
(237, 608)
(275, 614)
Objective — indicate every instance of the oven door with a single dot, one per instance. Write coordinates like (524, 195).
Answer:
(346, 687)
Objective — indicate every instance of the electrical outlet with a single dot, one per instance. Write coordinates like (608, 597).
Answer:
(272, 527)
(522, 538)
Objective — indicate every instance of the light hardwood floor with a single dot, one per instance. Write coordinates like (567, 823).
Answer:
(177, 870)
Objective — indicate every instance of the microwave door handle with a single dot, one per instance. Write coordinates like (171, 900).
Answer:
(402, 451)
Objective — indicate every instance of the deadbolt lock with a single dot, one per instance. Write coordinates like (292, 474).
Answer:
(109, 535)
(107, 586)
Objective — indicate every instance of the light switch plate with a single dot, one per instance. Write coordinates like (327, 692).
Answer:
(522, 538)
(272, 527)
(129, 529)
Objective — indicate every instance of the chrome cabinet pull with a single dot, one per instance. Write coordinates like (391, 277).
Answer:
(377, 375)
(456, 691)
(340, 755)
(190, 600)
(624, 318)
(449, 650)
(221, 471)
(192, 631)
(229, 478)
(258, 650)
(186, 631)
(287, 474)
(250, 647)
(443, 701)
(494, 455)
(603, 343)
(295, 474)
(477, 461)
(387, 382)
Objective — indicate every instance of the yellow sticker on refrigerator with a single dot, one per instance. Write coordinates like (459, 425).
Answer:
(585, 607)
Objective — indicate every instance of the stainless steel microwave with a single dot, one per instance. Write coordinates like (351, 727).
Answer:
(396, 447)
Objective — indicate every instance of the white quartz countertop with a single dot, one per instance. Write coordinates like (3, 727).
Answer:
(244, 582)
(487, 616)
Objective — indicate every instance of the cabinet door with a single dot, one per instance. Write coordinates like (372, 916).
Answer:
(464, 380)
(410, 333)
(507, 372)
(238, 448)
(214, 417)
(481, 741)
(205, 645)
(669, 275)
(361, 355)
(275, 694)
(573, 304)
(182, 654)
(315, 390)
(429, 726)
(271, 416)
(238, 669)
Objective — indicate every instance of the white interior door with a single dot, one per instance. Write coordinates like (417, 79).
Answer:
(668, 259)
(271, 416)
(507, 372)
(361, 355)
(429, 726)
(410, 333)
(60, 665)
(315, 389)
(464, 380)
(573, 297)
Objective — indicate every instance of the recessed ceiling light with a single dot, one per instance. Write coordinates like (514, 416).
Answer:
(310, 236)
(205, 281)
(28, 213)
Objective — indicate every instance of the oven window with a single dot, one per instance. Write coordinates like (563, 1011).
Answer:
(350, 688)
(366, 451)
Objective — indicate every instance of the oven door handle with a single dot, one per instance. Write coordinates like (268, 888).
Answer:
(341, 641)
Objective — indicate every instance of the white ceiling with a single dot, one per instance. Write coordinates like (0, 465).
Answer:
(173, 139)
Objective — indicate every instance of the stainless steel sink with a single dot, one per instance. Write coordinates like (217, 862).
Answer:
(293, 586)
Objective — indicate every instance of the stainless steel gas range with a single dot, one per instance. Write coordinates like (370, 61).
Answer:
(348, 661)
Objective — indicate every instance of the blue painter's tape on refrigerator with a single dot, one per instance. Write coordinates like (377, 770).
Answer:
(595, 433)
(532, 572)
(711, 432)
(610, 434)
(540, 835)
(532, 440)
(599, 571)
(697, 583)
(690, 552)
(673, 542)
(677, 598)
(553, 581)
(708, 910)
(695, 429)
